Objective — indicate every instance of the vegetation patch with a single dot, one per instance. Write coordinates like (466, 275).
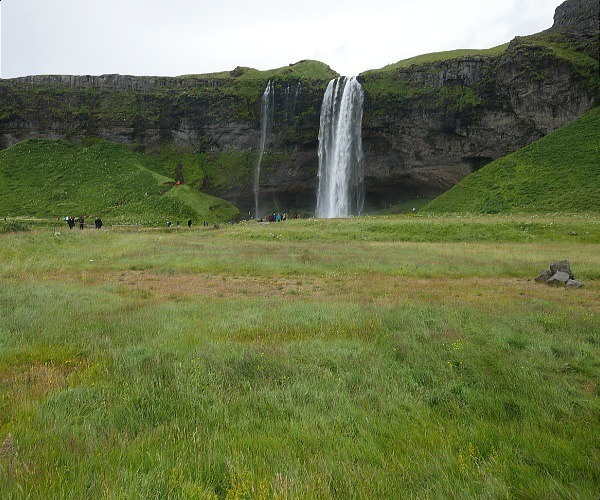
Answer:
(13, 226)
(560, 172)
(433, 57)
(57, 179)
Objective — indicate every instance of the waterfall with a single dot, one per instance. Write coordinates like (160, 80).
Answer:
(341, 190)
(266, 121)
(291, 98)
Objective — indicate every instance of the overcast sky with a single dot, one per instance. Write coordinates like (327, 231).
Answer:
(176, 37)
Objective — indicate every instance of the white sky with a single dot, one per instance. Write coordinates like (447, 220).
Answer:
(176, 37)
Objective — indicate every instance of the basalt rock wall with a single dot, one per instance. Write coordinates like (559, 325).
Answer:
(425, 125)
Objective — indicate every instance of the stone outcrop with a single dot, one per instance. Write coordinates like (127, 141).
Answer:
(578, 20)
(425, 126)
(562, 266)
(558, 278)
(560, 273)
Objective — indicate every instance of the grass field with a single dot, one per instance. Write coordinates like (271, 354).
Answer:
(388, 357)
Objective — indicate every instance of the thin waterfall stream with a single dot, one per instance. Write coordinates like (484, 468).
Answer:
(266, 122)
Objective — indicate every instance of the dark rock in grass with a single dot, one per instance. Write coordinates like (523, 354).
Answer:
(562, 266)
(560, 274)
(544, 276)
(558, 278)
(574, 284)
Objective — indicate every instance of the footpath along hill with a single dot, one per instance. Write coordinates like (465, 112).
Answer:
(44, 178)
(559, 173)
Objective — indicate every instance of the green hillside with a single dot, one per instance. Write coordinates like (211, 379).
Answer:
(308, 69)
(439, 56)
(44, 178)
(558, 173)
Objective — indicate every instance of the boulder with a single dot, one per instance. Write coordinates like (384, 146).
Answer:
(562, 266)
(558, 278)
(544, 276)
(574, 284)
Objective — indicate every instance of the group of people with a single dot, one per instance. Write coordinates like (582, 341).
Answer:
(81, 221)
(178, 224)
(277, 217)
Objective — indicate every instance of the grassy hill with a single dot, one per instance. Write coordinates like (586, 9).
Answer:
(308, 69)
(560, 172)
(439, 56)
(58, 178)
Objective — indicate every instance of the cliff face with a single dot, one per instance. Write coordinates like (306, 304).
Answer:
(425, 125)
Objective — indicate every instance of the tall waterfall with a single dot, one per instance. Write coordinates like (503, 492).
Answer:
(341, 188)
(266, 122)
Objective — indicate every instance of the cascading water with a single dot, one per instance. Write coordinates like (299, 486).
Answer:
(341, 186)
(266, 121)
(291, 97)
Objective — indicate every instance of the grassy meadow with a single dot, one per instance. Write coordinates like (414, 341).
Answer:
(383, 357)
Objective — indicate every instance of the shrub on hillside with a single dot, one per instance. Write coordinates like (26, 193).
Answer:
(13, 226)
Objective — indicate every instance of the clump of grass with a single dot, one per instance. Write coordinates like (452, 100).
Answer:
(13, 226)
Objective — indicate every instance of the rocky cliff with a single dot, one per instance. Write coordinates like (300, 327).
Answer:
(427, 123)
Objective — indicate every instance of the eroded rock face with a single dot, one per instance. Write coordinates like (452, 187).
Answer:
(456, 116)
(425, 127)
(579, 21)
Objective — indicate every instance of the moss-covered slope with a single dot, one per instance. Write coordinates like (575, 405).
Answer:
(57, 178)
(559, 173)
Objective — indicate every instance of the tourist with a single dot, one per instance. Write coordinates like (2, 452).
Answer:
(190, 223)
(81, 221)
